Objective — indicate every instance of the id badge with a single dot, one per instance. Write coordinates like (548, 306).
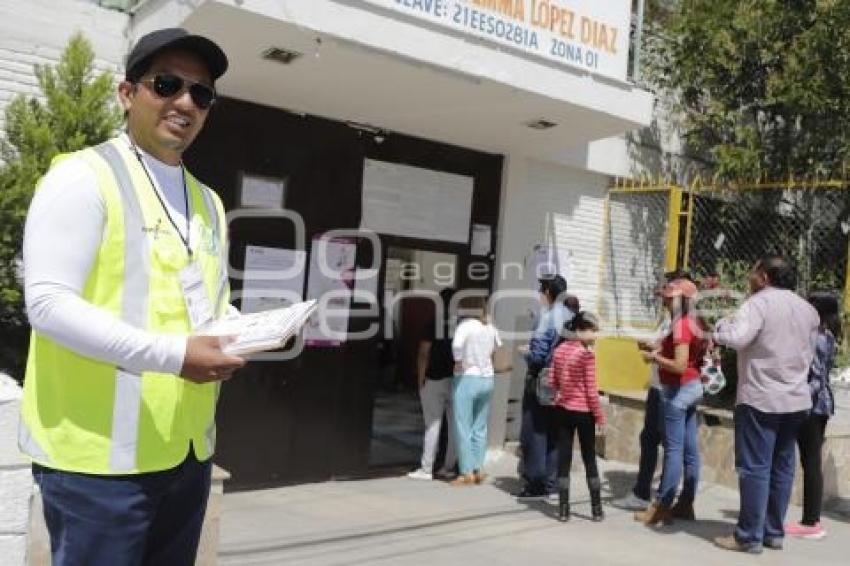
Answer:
(195, 295)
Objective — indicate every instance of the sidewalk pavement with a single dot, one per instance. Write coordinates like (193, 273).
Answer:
(403, 521)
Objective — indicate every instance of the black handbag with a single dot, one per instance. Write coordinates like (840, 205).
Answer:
(543, 389)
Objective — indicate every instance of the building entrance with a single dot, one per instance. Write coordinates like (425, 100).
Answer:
(412, 281)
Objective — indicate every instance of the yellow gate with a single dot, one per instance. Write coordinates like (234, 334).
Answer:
(715, 232)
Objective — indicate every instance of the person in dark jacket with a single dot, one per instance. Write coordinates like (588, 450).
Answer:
(811, 434)
(538, 445)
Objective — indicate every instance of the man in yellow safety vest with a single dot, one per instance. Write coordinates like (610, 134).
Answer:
(123, 261)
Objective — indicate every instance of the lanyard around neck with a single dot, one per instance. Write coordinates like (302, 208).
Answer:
(162, 203)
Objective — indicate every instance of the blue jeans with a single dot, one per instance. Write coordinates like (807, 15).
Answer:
(471, 402)
(764, 457)
(131, 520)
(681, 443)
(650, 438)
(539, 445)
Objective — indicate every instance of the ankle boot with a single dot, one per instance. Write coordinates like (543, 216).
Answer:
(595, 487)
(564, 499)
(656, 513)
(463, 480)
(564, 505)
(683, 510)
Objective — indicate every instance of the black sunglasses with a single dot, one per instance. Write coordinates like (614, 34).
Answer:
(167, 86)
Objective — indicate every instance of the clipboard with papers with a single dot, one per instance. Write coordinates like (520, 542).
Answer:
(262, 331)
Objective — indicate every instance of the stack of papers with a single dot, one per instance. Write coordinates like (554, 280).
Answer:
(262, 331)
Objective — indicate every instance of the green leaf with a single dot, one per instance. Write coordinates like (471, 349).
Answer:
(762, 85)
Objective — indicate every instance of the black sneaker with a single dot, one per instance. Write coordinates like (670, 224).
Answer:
(529, 495)
(445, 475)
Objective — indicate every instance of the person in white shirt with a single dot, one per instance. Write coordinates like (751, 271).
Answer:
(473, 345)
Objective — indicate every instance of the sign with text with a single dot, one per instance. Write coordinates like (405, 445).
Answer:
(590, 35)
(416, 203)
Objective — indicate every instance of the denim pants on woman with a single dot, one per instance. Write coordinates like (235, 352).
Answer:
(471, 402)
(681, 444)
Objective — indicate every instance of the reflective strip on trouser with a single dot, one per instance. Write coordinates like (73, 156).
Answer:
(128, 386)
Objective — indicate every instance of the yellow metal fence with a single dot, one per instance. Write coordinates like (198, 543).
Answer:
(717, 233)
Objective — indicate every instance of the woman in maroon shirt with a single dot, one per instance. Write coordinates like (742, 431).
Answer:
(678, 357)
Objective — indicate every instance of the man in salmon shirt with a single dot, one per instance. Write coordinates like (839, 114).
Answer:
(774, 333)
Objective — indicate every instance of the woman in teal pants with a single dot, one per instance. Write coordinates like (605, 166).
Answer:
(473, 345)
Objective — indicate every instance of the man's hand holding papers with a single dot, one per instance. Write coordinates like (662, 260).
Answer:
(262, 331)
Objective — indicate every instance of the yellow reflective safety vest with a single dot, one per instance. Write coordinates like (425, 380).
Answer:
(84, 415)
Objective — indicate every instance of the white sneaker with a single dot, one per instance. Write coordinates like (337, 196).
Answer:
(631, 503)
(420, 474)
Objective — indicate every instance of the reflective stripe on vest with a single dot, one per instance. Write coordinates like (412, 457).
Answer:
(28, 444)
(220, 297)
(87, 440)
(128, 386)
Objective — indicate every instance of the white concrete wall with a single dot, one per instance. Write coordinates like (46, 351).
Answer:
(36, 31)
(544, 203)
(657, 151)
(635, 253)
(15, 479)
(391, 32)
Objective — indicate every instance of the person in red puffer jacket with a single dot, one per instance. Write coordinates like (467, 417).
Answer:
(577, 408)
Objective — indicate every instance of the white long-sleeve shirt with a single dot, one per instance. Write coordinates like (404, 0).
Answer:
(473, 346)
(658, 335)
(63, 233)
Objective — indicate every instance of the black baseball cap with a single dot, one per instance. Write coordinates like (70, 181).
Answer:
(158, 41)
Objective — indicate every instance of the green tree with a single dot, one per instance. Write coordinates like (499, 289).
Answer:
(78, 109)
(762, 84)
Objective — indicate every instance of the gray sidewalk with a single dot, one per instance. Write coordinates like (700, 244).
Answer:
(402, 521)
